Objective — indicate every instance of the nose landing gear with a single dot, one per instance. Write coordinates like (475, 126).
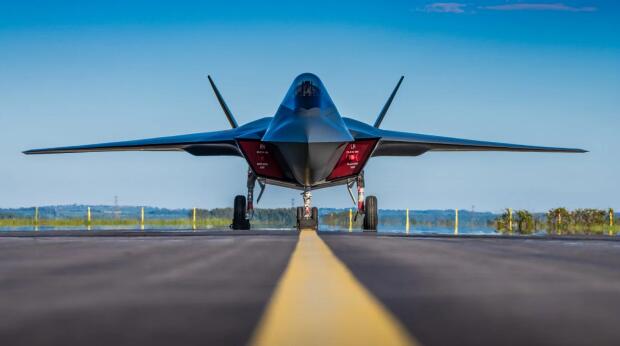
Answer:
(307, 216)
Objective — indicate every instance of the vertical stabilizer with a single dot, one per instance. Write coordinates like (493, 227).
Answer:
(220, 99)
(387, 104)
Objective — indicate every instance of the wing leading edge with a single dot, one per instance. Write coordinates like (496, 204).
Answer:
(216, 143)
(396, 143)
(201, 144)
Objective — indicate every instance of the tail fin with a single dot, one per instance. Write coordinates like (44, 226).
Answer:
(220, 99)
(387, 104)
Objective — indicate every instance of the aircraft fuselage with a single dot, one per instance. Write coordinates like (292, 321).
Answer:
(307, 144)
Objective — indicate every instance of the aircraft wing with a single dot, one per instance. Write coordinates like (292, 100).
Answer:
(395, 143)
(201, 144)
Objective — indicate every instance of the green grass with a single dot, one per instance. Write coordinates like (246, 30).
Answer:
(77, 222)
(600, 229)
(582, 230)
(210, 222)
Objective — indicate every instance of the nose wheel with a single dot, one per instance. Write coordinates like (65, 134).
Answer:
(307, 216)
(311, 222)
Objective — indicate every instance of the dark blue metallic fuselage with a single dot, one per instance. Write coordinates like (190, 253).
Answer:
(308, 131)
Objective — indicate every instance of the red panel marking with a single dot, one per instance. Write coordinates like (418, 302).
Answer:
(353, 159)
(261, 158)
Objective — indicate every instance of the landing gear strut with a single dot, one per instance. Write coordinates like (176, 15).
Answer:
(251, 183)
(367, 207)
(307, 216)
(360, 193)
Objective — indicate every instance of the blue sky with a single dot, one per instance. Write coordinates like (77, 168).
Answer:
(531, 72)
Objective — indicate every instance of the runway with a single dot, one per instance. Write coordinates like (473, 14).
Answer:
(214, 288)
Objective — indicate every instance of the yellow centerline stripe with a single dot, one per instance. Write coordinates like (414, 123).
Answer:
(318, 301)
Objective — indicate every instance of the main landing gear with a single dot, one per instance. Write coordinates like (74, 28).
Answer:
(371, 217)
(244, 209)
(366, 207)
(239, 220)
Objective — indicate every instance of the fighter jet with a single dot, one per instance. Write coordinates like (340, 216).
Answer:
(306, 145)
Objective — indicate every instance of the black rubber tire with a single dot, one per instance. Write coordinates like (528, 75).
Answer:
(300, 215)
(239, 208)
(239, 221)
(371, 215)
(310, 223)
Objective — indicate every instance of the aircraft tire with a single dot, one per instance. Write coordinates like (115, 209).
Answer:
(300, 215)
(239, 221)
(311, 223)
(371, 215)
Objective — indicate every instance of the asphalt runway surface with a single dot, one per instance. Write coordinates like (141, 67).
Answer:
(145, 290)
(211, 288)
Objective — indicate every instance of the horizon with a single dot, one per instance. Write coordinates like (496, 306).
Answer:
(461, 210)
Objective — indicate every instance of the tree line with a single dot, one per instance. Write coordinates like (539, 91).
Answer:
(273, 217)
(558, 221)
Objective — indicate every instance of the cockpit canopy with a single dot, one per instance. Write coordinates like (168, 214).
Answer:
(307, 92)
(307, 95)
(307, 115)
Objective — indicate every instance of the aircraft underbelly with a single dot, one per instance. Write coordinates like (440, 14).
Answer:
(310, 163)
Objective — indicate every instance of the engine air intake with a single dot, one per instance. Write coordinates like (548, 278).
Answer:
(262, 159)
(353, 159)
